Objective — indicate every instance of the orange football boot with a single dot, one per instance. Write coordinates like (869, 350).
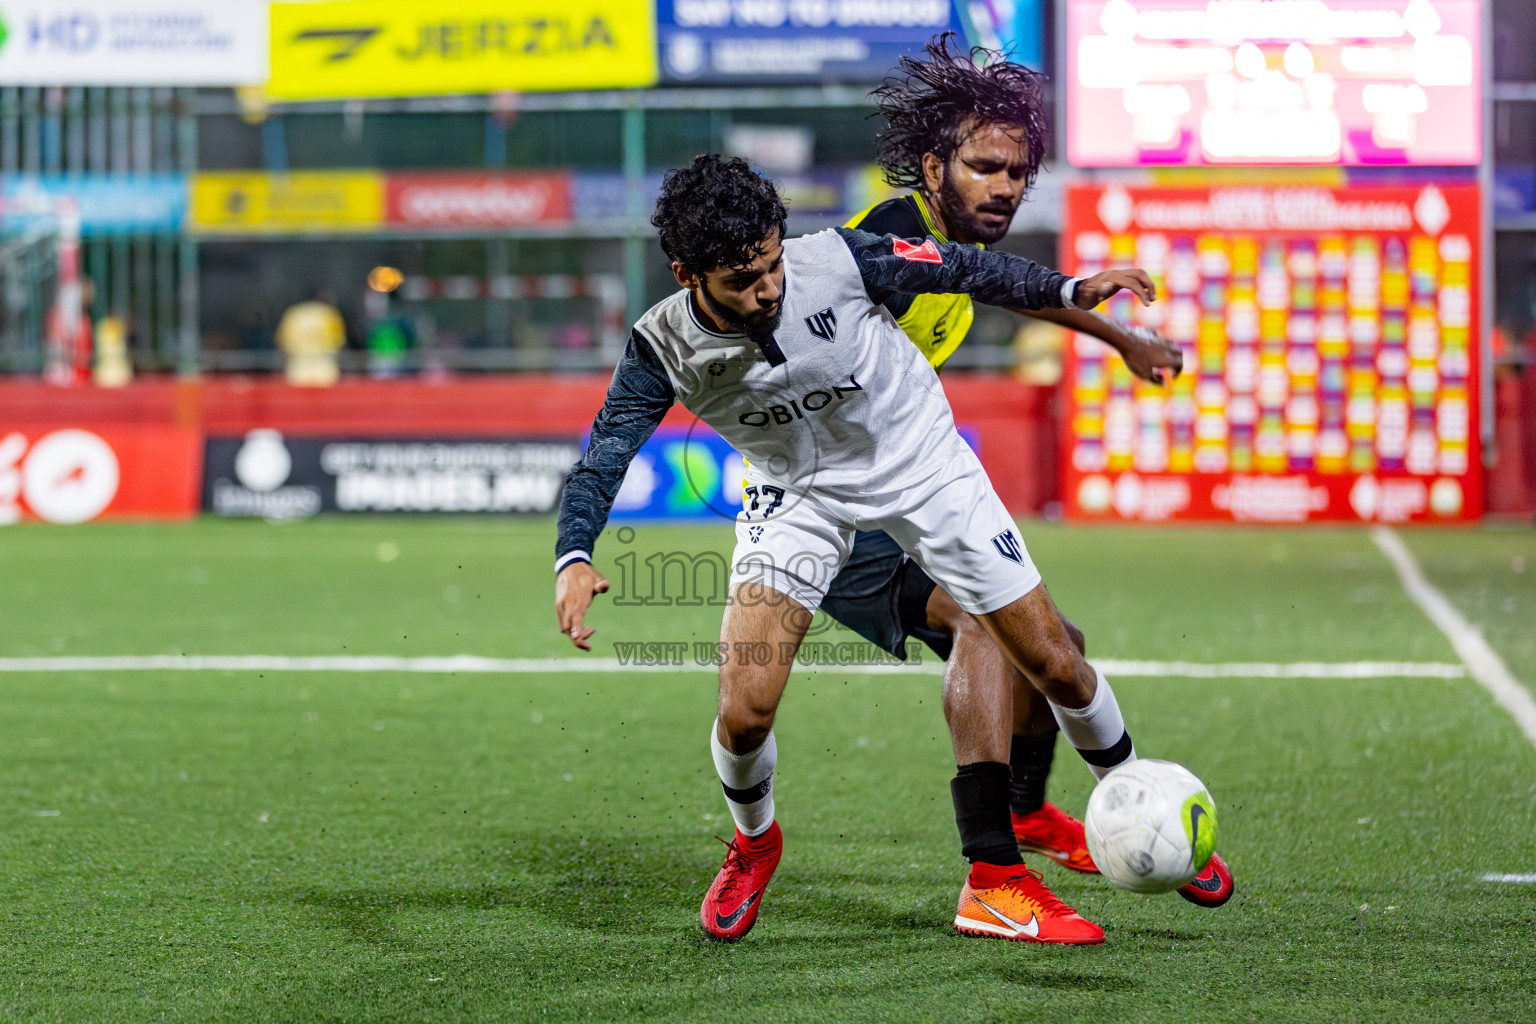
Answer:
(1052, 832)
(1011, 902)
(730, 906)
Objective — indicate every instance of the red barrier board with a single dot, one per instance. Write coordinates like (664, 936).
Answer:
(75, 474)
(1331, 356)
(1015, 423)
(477, 200)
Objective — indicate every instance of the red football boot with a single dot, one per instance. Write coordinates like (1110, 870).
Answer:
(1013, 903)
(1211, 887)
(1052, 832)
(731, 905)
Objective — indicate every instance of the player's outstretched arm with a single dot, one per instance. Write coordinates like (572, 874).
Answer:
(575, 587)
(1093, 290)
(893, 266)
(1147, 353)
(638, 398)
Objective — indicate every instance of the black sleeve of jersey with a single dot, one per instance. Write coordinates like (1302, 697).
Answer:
(996, 278)
(895, 217)
(638, 398)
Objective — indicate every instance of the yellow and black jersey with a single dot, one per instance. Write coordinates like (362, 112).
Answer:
(936, 324)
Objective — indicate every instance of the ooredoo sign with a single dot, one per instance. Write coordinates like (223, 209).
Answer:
(477, 200)
(74, 475)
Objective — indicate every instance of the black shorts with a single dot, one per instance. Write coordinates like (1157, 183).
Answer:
(882, 595)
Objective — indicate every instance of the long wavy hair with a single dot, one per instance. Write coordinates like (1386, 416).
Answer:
(935, 102)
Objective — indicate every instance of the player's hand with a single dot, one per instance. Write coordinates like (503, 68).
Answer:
(575, 587)
(1093, 290)
(1150, 356)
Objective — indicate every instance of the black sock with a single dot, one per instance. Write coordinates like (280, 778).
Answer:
(1030, 762)
(980, 793)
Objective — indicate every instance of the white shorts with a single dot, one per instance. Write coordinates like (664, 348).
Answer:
(952, 524)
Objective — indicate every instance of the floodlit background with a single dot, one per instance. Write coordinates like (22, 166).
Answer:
(305, 311)
(1336, 198)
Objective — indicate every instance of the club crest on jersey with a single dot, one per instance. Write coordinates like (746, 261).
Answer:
(823, 324)
(1008, 546)
(928, 252)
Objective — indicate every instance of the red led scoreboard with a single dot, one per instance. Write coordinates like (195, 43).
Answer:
(1331, 355)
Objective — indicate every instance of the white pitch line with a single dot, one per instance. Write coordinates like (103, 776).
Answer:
(1282, 670)
(468, 664)
(1522, 879)
(1481, 659)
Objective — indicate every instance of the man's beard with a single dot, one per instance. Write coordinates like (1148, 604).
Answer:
(962, 223)
(758, 330)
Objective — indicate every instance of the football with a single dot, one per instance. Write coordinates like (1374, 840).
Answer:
(1151, 826)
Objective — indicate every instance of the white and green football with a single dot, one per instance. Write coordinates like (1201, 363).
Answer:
(1151, 826)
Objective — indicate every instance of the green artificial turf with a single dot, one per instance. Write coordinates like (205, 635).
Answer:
(370, 847)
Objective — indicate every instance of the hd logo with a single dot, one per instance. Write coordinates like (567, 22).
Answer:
(823, 324)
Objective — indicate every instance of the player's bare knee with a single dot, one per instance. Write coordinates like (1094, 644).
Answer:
(746, 729)
(746, 721)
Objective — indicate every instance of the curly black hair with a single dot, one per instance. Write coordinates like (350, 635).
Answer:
(937, 101)
(716, 212)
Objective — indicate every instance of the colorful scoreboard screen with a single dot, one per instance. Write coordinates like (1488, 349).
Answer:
(1331, 355)
(1351, 82)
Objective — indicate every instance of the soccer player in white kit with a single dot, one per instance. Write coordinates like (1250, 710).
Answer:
(784, 348)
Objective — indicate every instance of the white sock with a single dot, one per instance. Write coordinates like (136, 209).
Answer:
(747, 780)
(1098, 730)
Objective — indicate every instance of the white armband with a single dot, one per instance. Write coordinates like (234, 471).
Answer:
(571, 556)
(1069, 293)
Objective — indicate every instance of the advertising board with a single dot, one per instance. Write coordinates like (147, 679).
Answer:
(335, 49)
(107, 204)
(477, 200)
(770, 41)
(1354, 82)
(242, 202)
(80, 473)
(256, 202)
(133, 42)
(1331, 355)
(269, 476)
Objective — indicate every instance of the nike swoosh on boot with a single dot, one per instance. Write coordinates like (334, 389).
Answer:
(1030, 928)
(726, 922)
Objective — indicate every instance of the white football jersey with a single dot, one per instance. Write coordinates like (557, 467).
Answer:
(843, 403)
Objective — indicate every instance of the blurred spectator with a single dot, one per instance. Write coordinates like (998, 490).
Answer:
(311, 333)
(113, 367)
(1037, 349)
(69, 358)
(387, 345)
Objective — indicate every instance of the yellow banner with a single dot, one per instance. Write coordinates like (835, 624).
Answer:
(240, 202)
(337, 49)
